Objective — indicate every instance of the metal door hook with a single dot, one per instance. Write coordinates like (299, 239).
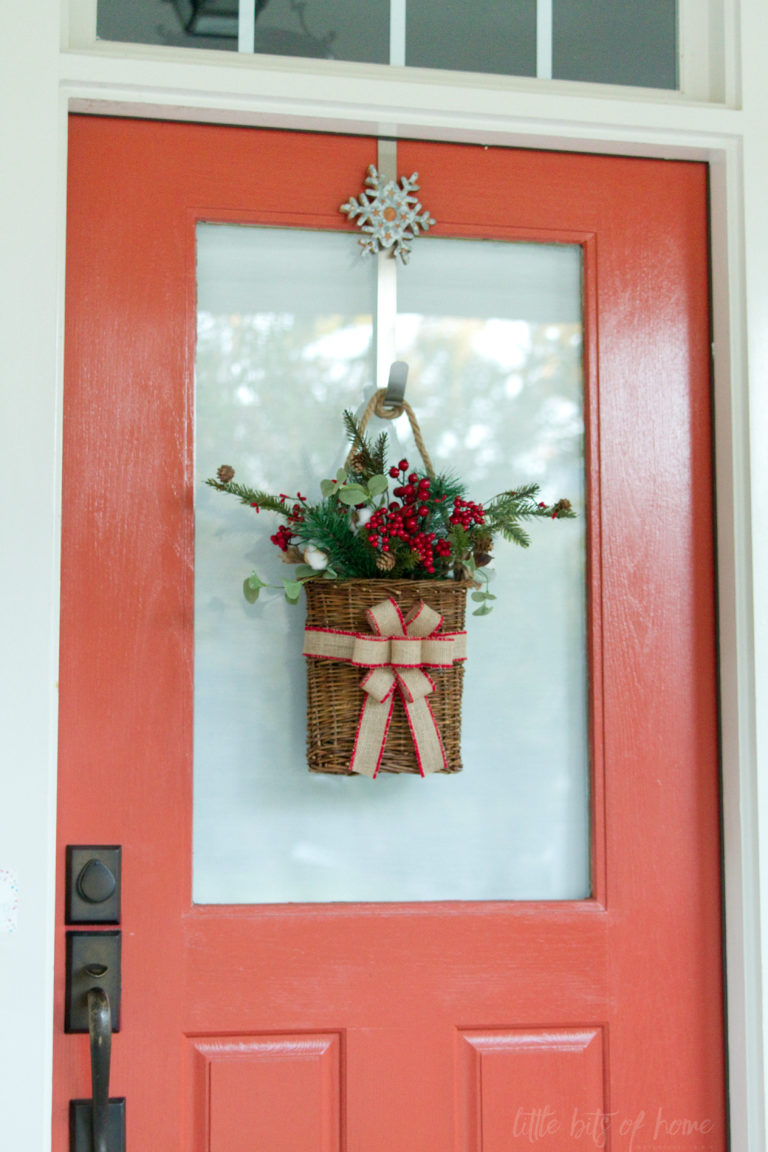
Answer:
(395, 394)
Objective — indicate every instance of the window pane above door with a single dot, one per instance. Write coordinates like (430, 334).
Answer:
(484, 36)
(493, 334)
(602, 41)
(616, 42)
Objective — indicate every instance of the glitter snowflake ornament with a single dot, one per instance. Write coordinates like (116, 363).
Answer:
(390, 216)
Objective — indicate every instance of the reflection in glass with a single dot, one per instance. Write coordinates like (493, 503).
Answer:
(334, 29)
(604, 41)
(493, 335)
(174, 23)
(331, 29)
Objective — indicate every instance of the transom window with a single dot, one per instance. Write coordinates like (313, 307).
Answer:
(602, 41)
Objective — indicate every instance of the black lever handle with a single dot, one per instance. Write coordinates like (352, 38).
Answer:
(100, 1032)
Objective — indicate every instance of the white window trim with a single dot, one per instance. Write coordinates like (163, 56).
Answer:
(39, 83)
(707, 39)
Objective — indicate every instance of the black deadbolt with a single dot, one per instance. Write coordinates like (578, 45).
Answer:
(93, 884)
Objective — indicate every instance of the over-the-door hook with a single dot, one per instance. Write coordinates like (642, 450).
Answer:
(395, 394)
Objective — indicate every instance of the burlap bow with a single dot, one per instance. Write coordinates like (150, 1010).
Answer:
(396, 653)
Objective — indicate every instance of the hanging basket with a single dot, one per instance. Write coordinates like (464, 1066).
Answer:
(336, 699)
(385, 652)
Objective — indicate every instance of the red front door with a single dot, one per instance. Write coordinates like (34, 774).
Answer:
(418, 1027)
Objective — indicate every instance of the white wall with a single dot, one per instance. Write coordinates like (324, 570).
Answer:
(31, 160)
(37, 81)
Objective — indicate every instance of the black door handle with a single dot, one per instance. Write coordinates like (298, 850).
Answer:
(93, 1005)
(100, 1032)
(92, 1002)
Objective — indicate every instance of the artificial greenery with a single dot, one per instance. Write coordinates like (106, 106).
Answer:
(374, 521)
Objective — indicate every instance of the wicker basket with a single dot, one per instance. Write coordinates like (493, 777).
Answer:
(334, 696)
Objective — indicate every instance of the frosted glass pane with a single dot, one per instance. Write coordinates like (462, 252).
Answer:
(493, 335)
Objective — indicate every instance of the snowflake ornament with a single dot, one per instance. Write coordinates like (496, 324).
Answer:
(391, 216)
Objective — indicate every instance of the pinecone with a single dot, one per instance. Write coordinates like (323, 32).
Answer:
(482, 558)
(385, 562)
(291, 555)
(357, 463)
(226, 473)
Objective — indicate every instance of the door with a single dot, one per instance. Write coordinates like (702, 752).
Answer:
(436, 1024)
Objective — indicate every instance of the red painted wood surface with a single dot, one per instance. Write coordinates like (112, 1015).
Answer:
(470, 1027)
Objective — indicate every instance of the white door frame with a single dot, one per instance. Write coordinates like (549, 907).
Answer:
(39, 83)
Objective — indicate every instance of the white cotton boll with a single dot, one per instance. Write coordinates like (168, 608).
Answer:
(362, 516)
(315, 558)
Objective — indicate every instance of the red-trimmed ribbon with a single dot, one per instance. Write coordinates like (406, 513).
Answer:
(396, 651)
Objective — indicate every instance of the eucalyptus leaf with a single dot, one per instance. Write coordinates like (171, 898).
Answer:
(292, 589)
(353, 494)
(479, 597)
(377, 485)
(251, 594)
(292, 599)
(330, 574)
(483, 610)
(327, 487)
(341, 475)
(303, 570)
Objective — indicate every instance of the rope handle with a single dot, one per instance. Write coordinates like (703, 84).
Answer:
(375, 406)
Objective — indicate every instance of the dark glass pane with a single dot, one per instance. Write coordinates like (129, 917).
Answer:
(604, 41)
(179, 25)
(483, 36)
(616, 42)
(337, 29)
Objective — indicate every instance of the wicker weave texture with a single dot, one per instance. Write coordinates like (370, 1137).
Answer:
(334, 695)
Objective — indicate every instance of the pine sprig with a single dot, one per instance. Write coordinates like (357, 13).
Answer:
(445, 489)
(348, 554)
(370, 459)
(407, 561)
(461, 541)
(357, 530)
(379, 454)
(252, 496)
(510, 530)
(504, 512)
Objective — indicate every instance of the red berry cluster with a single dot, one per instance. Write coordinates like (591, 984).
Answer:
(283, 538)
(406, 521)
(466, 513)
(412, 489)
